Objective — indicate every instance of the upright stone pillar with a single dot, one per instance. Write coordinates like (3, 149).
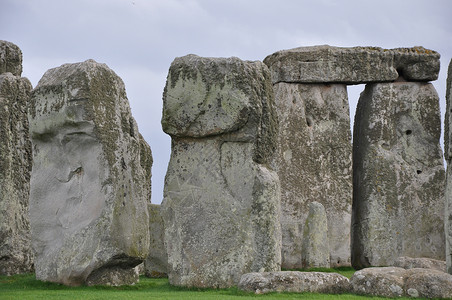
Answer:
(398, 173)
(448, 154)
(15, 164)
(221, 201)
(90, 184)
(315, 250)
(313, 155)
(156, 263)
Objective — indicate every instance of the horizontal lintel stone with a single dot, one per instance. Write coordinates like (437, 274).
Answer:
(355, 65)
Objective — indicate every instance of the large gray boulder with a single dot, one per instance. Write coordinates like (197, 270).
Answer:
(427, 283)
(90, 184)
(398, 175)
(15, 164)
(420, 262)
(313, 162)
(295, 282)
(448, 154)
(10, 58)
(397, 282)
(383, 282)
(328, 64)
(156, 263)
(221, 202)
(315, 249)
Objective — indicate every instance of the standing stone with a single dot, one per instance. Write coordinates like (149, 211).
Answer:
(15, 164)
(316, 251)
(90, 183)
(448, 154)
(156, 263)
(398, 175)
(313, 161)
(221, 202)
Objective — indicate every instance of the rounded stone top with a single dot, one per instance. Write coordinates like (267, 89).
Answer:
(10, 58)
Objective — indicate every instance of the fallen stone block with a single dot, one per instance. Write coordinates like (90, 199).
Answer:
(294, 282)
(420, 262)
(383, 282)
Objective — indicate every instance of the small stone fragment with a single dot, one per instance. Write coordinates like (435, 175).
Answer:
(327, 64)
(221, 202)
(316, 251)
(90, 184)
(10, 58)
(15, 164)
(294, 282)
(398, 175)
(156, 263)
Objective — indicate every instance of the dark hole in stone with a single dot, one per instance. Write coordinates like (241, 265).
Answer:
(401, 75)
(408, 132)
(309, 121)
(419, 171)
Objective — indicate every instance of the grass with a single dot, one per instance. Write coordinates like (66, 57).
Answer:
(27, 287)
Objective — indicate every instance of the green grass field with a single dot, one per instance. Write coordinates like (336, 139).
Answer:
(27, 287)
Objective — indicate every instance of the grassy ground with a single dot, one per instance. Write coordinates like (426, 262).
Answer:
(27, 287)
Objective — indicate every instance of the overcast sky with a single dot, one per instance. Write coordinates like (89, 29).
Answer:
(139, 39)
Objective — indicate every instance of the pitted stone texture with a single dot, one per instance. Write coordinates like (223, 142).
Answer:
(448, 154)
(328, 64)
(313, 161)
(420, 262)
(10, 58)
(213, 96)
(90, 183)
(316, 251)
(293, 281)
(15, 166)
(156, 263)
(428, 284)
(384, 282)
(398, 282)
(220, 206)
(398, 196)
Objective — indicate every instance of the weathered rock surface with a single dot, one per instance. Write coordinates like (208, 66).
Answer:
(428, 284)
(398, 282)
(313, 161)
(327, 64)
(156, 263)
(15, 164)
(221, 202)
(420, 262)
(448, 154)
(315, 251)
(90, 184)
(10, 58)
(384, 282)
(398, 174)
(294, 281)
